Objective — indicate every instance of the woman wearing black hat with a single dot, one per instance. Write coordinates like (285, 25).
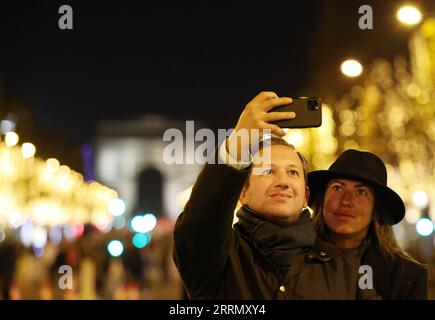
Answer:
(354, 209)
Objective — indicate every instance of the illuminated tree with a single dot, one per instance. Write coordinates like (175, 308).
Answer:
(391, 113)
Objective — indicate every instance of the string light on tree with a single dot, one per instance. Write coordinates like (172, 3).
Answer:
(409, 15)
(420, 199)
(11, 139)
(351, 68)
(28, 150)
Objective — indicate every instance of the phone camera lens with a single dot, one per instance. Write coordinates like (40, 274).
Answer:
(313, 104)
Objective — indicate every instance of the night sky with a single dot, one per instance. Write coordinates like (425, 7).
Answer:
(125, 59)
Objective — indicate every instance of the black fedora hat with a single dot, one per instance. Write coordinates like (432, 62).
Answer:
(360, 166)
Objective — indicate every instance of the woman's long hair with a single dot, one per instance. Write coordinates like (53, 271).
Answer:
(380, 230)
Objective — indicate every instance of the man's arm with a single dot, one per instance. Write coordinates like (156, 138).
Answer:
(203, 232)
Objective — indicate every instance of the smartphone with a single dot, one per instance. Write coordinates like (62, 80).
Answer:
(308, 113)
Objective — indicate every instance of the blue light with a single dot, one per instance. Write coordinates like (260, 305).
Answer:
(7, 126)
(26, 234)
(141, 240)
(115, 248)
(119, 222)
(38, 251)
(424, 227)
(143, 223)
(55, 234)
(68, 232)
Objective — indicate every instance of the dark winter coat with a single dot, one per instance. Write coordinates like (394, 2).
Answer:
(396, 278)
(256, 259)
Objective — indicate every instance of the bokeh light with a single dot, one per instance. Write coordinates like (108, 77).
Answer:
(409, 15)
(28, 150)
(7, 126)
(55, 234)
(119, 223)
(140, 240)
(412, 215)
(143, 223)
(115, 248)
(351, 68)
(117, 207)
(11, 139)
(424, 227)
(420, 199)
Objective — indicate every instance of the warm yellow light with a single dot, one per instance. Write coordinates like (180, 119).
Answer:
(296, 138)
(412, 215)
(409, 15)
(351, 68)
(420, 199)
(66, 198)
(184, 196)
(52, 164)
(11, 139)
(347, 129)
(350, 144)
(64, 171)
(428, 28)
(28, 150)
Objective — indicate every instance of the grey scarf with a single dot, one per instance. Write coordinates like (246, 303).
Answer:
(278, 243)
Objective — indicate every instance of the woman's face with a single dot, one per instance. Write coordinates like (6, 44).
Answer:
(348, 208)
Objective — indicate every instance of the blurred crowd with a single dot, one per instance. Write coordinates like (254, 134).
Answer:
(91, 272)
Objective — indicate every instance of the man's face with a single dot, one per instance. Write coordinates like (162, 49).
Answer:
(348, 207)
(279, 192)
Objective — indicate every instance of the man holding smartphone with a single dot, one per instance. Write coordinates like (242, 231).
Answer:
(272, 251)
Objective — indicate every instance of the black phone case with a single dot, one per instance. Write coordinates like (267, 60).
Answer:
(305, 118)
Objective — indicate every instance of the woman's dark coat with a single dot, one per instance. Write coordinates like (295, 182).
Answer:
(396, 278)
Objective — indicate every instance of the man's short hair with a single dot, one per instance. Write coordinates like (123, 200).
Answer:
(278, 141)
